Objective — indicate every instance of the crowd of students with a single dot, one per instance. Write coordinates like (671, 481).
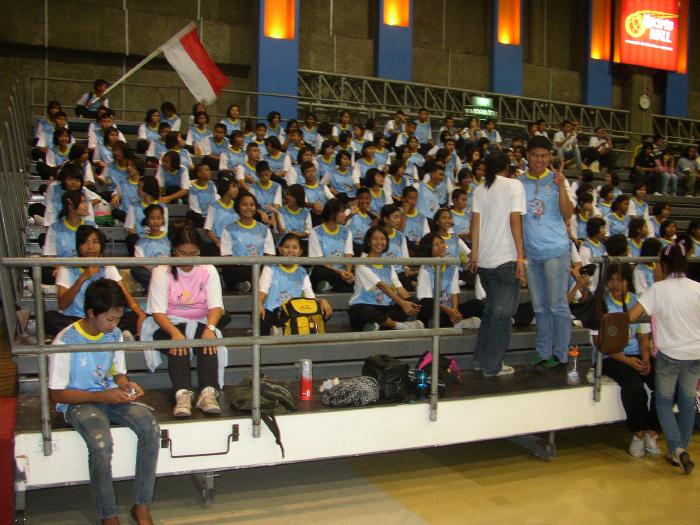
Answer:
(315, 189)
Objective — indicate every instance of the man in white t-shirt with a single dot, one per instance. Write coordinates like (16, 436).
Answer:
(497, 254)
(566, 143)
(600, 148)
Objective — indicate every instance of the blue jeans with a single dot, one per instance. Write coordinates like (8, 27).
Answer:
(91, 420)
(673, 375)
(502, 297)
(547, 281)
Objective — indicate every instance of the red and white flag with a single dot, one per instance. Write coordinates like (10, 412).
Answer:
(197, 70)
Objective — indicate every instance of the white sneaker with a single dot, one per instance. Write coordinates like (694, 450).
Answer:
(275, 330)
(410, 325)
(471, 323)
(323, 287)
(651, 445)
(243, 287)
(636, 448)
(504, 371)
(183, 403)
(207, 402)
(371, 327)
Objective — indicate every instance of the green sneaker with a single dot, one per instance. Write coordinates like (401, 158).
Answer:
(551, 362)
(537, 361)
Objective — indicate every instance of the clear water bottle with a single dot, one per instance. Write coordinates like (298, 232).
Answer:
(572, 374)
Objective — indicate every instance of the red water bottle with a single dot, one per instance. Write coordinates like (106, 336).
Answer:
(305, 379)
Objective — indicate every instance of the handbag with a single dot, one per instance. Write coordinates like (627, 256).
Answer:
(390, 373)
(591, 312)
(613, 334)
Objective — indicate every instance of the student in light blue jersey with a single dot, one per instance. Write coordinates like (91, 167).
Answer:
(155, 243)
(633, 368)
(294, 173)
(295, 141)
(246, 173)
(243, 238)
(157, 148)
(374, 180)
(584, 212)
(202, 195)
(221, 212)
(667, 232)
(90, 102)
(344, 124)
(317, 194)
(168, 114)
(57, 154)
(149, 193)
(46, 125)
(593, 246)
(361, 219)
(379, 300)
(341, 181)
(694, 233)
(259, 138)
(278, 160)
(174, 142)
(268, 193)
(214, 147)
(148, 131)
(366, 161)
(326, 158)
(103, 152)
(92, 390)
(358, 139)
(390, 221)
(274, 126)
(415, 158)
(232, 120)
(638, 230)
(428, 197)
(424, 132)
(461, 214)
(60, 237)
(617, 221)
(332, 239)
(71, 283)
(294, 217)
(638, 207)
(413, 225)
(381, 150)
(198, 133)
(396, 181)
(548, 252)
(309, 130)
(646, 274)
(281, 282)
(115, 172)
(660, 212)
(173, 178)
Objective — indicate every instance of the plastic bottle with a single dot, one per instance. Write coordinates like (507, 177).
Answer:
(572, 375)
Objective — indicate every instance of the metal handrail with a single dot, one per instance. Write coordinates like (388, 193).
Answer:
(255, 340)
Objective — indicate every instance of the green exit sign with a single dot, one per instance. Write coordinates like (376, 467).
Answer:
(482, 102)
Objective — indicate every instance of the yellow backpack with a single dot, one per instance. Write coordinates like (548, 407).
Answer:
(303, 317)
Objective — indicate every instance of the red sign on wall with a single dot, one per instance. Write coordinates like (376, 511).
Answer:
(648, 33)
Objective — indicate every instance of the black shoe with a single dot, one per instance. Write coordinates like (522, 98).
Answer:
(686, 464)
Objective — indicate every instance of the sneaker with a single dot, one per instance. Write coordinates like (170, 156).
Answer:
(537, 361)
(504, 371)
(207, 402)
(323, 287)
(651, 445)
(128, 337)
(243, 287)
(636, 448)
(183, 403)
(552, 362)
(275, 330)
(371, 327)
(410, 325)
(686, 464)
(471, 323)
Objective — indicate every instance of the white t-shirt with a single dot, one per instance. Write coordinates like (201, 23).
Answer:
(424, 290)
(315, 249)
(494, 206)
(675, 303)
(567, 143)
(158, 289)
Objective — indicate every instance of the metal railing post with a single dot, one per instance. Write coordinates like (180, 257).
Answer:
(256, 351)
(435, 368)
(43, 362)
(598, 380)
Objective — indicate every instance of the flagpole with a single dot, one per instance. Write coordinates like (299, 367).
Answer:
(146, 60)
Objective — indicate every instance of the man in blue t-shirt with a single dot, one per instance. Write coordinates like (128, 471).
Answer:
(92, 390)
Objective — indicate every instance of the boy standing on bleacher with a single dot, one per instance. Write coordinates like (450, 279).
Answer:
(92, 390)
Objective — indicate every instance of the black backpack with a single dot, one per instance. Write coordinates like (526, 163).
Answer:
(390, 373)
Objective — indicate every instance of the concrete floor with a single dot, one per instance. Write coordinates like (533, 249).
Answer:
(592, 481)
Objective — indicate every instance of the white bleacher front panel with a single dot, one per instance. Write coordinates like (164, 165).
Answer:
(326, 434)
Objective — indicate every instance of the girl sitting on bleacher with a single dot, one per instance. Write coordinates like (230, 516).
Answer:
(103, 152)
(274, 126)
(360, 219)
(202, 195)
(637, 206)
(646, 274)
(294, 216)
(660, 212)
(153, 244)
(633, 368)
(326, 159)
(374, 180)
(116, 172)
(244, 238)
(278, 160)
(390, 221)
(221, 213)
(332, 239)
(168, 114)
(396, 181)
(413, 225)
(157, 148)
(667, 232)
(57, 153)
(197, 134)
(638, 231)
(366, 161)
(379, 300)
(173, 178)
(279, 283)
(126, 194)
(443, 226)
(175, 142)
(295, 174)
(617, 221)
(340, 181)
(583, 213)
(46, 125)
(232, 120)
(69, 178)
(60, 237)
(267, 192)
(71, 283)
(186, 303)
(149, 193)
(148, 131)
